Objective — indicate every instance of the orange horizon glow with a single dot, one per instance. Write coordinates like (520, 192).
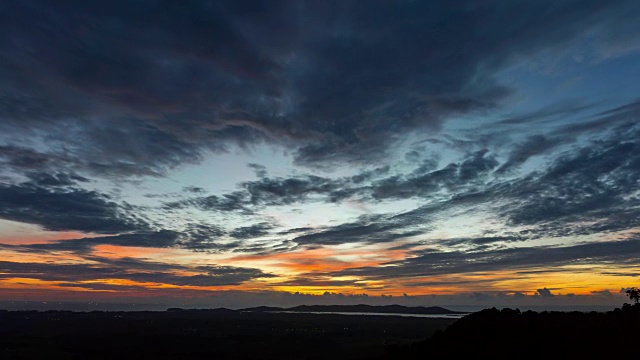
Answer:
(311, 264)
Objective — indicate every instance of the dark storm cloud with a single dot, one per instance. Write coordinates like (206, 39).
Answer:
(482, 240)
(235, 201)
(295, 230)
(492, 239)
(194, 236)
(370, 174)
(260, 170)
(133, 152)
(131, 147)
(531, 146)
(130, 269)
(604, 120)
(586, 191)
(136, 88)
(548, 113)
(423, 182)
(141, 87)
(468, 172)
(214, 277)
(159, 239)
(277, 191)
(381, 228)
(596, 183)
(367, 229)
(64, 209)
(430, 263)
(12, 155)
(265, 248)
(193, 189)
(411, 72)
(252, 231)
(272, 192)
(28, 160)
(59, 179)
(203, 236)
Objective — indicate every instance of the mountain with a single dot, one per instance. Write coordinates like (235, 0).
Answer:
(361, 308)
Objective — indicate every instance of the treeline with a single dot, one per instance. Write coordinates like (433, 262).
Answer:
(509, 333)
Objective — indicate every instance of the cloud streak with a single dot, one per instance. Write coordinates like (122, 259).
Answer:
(130, 269)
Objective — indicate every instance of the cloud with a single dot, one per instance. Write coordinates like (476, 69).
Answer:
(632, 274)
(64, 209)
(130, 269)
(157, 239)
(333, 82)
(279, 191)
(269, 191)
(548, 113)
(518, 295)
(299, 282)
(545, 293)
(56, 179)
(573, 194)
(471, 170)
(604, 120)
(252, 231)
(193, 189)
(532, 146)
(98, 93)
(102, 287)
(585, 186)
(202, 236)
(431, 263)
(602, 293)
(367, 229)
(194, 236)
(493, 239)
(235, 201)
(28, 160)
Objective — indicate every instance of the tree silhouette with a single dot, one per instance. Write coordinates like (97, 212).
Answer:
(634, 294)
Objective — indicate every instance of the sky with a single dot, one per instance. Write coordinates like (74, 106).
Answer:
(244, 153)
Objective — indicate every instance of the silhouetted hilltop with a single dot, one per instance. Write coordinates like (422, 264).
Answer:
(385, 309)
(508, 333)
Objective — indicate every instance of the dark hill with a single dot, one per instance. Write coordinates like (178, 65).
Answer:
(507, 333)
(386, 309)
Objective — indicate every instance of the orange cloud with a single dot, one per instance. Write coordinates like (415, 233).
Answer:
(320, 260)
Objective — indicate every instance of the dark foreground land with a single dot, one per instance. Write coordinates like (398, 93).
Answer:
(205, 334)
(511, 334)
(228, 334)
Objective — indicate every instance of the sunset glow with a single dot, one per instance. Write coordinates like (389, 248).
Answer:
(219, 154)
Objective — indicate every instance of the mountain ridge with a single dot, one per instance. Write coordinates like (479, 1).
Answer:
(382, 309)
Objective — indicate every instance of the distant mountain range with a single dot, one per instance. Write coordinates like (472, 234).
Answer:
(384, 309)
